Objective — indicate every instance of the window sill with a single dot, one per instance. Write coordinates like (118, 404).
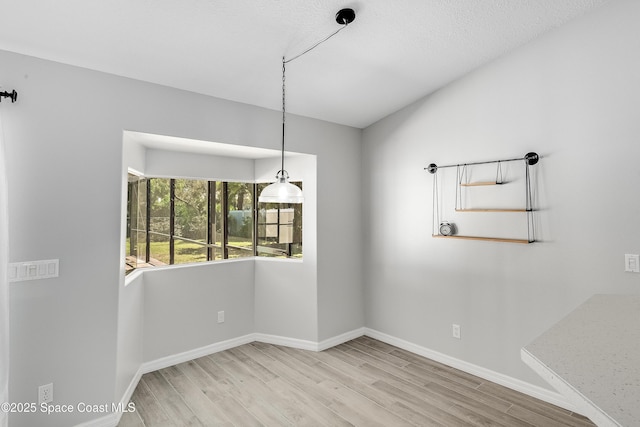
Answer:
(274, 259)
(131, 277)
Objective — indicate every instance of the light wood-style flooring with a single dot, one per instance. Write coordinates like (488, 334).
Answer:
(363, 382)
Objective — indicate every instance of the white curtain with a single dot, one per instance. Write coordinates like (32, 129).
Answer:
(4, 282)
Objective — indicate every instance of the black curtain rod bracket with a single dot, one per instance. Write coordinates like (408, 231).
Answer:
(531, 159)
(13, 95)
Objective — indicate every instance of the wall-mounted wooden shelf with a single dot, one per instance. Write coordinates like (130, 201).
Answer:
(491, 210)
(463, 198)
(479, 184)
(486, 239)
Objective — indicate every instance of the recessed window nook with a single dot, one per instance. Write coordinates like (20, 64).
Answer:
(190, 201)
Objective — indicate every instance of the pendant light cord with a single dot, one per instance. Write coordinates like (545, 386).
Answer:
(345, 23)
(315, 45)
(282, 191)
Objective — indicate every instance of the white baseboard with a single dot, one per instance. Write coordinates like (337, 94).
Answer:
(339, 339)
(549, 396)
(309, 345)
(165, 362)
(286, 341)
(113, 419)
(487, 374)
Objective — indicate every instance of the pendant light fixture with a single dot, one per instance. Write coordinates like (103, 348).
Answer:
(282, 191)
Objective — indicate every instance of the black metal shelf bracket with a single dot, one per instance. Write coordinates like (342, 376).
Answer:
(531, 159)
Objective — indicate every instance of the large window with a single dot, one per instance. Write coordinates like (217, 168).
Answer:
(180, 221)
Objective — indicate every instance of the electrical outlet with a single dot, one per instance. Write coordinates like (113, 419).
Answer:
(221, 317)
(632, 263)
(455, 331)
(45, 393)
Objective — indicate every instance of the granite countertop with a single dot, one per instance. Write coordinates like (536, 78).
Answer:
(592, 357)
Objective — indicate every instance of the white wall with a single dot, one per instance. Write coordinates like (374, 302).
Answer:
(64, 172)
(174, 164)
(340, 247)
(181, 306)
(168, 311)
(130, 321)
(336, 186)
(65, 168)
(286, 303)
(130, 351)
(572, 97)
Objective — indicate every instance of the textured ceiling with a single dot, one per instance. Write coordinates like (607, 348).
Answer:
(393, 53)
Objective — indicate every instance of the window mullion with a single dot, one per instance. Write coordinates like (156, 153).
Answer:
(224, 217)
(255, 219)
(148, 223)
(172, 220)
(132, 208)
(278, 227)
(211, 214)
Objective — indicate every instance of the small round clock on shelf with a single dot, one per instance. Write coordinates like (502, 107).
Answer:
(447, 228)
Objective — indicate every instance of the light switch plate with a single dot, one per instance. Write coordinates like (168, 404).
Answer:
(33, 270)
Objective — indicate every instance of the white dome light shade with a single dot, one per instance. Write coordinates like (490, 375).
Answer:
(281, 192)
